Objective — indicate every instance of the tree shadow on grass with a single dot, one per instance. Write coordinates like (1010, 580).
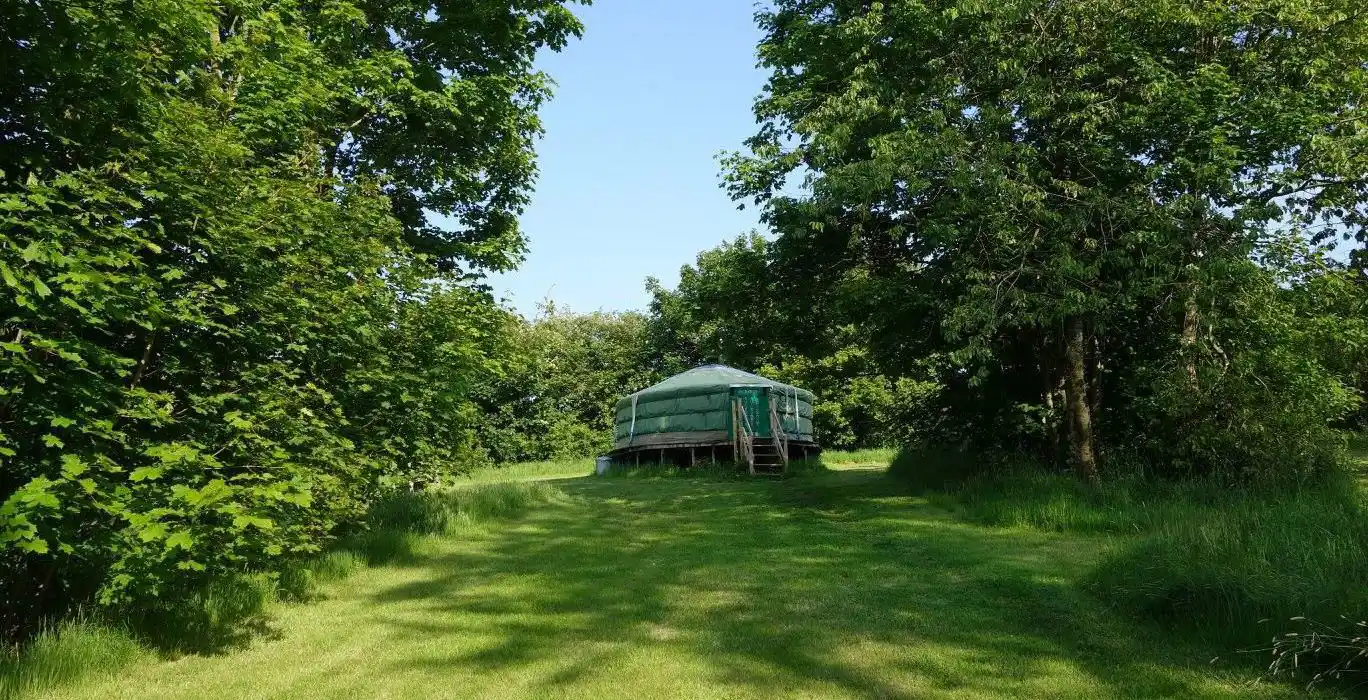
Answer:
(838, 582)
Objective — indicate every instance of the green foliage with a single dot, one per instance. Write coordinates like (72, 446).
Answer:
(562, 375)
(227, 312)
(741, 304)
(1073, 217)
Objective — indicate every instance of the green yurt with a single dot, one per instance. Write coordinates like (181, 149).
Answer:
(717, 413)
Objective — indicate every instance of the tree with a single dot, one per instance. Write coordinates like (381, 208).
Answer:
(563, 373)
(237, 249)
(1048, 186)
(776, 309)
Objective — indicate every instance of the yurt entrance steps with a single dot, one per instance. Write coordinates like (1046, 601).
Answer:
(767, 458)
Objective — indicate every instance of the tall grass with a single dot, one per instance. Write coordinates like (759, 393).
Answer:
(1225, 565)
(396, 525)
(702, 470)
(1235, 574)
(818, 464)
(873, 457)
(437, 512)
(73, 649)
(528, 471)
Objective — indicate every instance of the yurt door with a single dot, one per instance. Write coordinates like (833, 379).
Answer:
(755, 404)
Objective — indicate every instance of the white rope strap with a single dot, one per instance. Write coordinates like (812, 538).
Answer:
(631, 432)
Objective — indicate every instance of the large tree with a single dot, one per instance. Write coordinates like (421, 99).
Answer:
(1067, 196)
(235, 246)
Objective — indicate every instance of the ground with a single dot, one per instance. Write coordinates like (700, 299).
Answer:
(838, 585)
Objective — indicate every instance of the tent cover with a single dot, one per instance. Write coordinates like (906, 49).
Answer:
(694, 408)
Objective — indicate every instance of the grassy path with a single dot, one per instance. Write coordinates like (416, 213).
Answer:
(833, 586)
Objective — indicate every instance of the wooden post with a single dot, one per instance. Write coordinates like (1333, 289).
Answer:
(735, 434)
(712, 453)
(692, 461)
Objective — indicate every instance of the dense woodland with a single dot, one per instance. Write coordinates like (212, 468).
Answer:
(243, 251)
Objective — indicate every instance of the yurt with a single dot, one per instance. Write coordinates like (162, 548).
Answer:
(715, 413)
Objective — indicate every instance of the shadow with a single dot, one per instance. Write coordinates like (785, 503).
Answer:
(841, 581)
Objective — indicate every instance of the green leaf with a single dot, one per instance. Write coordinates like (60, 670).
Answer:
(180, 539)
(244, 521)
(146, 473)
(152, 531)
(37, 546)
(72, 466)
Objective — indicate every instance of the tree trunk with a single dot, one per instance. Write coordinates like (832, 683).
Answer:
(1076, 390)
(1191, 319)
(1094, 378)
(1052, 385)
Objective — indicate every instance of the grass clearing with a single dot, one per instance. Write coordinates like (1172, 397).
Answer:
(839, 584)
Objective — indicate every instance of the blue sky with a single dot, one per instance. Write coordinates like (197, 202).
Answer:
(629, 176)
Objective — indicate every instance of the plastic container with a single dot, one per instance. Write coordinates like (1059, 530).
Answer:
(602, 465)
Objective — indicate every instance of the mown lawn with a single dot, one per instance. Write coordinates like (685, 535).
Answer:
(836, 585)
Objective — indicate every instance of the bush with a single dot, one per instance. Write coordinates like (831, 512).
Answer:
(74, 649)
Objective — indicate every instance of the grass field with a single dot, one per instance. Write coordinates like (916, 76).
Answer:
(833, 585)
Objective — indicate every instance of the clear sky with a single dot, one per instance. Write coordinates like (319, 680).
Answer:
(629, 176)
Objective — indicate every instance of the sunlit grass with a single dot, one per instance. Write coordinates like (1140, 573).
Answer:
(528, 471)
(838, 459)
(838, 584)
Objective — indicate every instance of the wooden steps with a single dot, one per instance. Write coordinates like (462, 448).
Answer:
(767, 458)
